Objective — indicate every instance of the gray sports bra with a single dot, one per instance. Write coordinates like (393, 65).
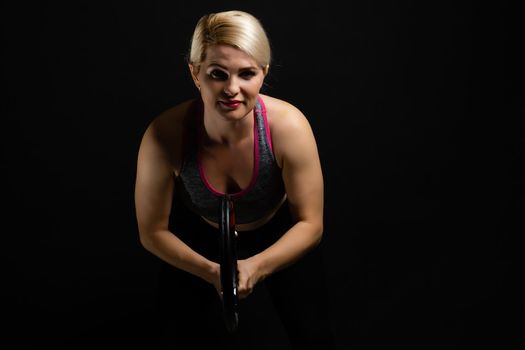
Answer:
(266, 188)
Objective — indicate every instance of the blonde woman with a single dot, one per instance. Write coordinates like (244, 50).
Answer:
(259, 149)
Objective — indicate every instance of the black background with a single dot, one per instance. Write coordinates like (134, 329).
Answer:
(415, 109)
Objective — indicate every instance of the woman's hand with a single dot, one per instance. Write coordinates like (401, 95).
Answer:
(249, 274)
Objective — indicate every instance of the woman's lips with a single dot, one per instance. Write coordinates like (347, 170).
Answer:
(232, 104)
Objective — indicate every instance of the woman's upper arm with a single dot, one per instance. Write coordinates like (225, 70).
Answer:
(301, 166)
(154, 181)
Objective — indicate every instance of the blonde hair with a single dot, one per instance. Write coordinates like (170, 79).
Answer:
(236, 28)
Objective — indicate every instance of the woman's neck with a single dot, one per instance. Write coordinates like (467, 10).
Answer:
(219, 130)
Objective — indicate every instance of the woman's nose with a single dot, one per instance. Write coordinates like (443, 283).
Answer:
(231, 87)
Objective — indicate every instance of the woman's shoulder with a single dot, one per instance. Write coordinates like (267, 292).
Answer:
(173, 118)
(165, 132)
(289, 127)
(169, 125)
(282, 114)
(278, 107)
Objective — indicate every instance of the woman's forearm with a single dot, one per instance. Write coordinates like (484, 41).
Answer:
(294, 244)
(168, 247)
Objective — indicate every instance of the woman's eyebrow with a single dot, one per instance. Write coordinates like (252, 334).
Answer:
(218, 65)
(225, 68)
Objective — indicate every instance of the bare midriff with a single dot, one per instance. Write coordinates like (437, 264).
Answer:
(255, 224)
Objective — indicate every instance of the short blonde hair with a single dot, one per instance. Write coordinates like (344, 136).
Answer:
(236, 28)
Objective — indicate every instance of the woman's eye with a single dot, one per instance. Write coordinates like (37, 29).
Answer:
(218, 74)
(247, 74)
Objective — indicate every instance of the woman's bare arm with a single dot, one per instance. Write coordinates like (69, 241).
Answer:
(153, 197)
(296, 148)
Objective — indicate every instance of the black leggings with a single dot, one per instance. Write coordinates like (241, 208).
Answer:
(189, 308)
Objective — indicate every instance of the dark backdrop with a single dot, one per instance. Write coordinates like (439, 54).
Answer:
(415, 109)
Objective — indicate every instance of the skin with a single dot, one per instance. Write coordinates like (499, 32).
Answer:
(229, 73)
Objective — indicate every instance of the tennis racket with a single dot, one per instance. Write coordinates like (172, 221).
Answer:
(229, 263)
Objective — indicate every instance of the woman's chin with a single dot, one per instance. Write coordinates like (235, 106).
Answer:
(233, 113)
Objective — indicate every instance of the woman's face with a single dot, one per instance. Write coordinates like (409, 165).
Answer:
(229, 80)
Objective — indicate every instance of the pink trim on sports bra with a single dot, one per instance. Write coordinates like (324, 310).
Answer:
(266, 125)
(255, 173)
